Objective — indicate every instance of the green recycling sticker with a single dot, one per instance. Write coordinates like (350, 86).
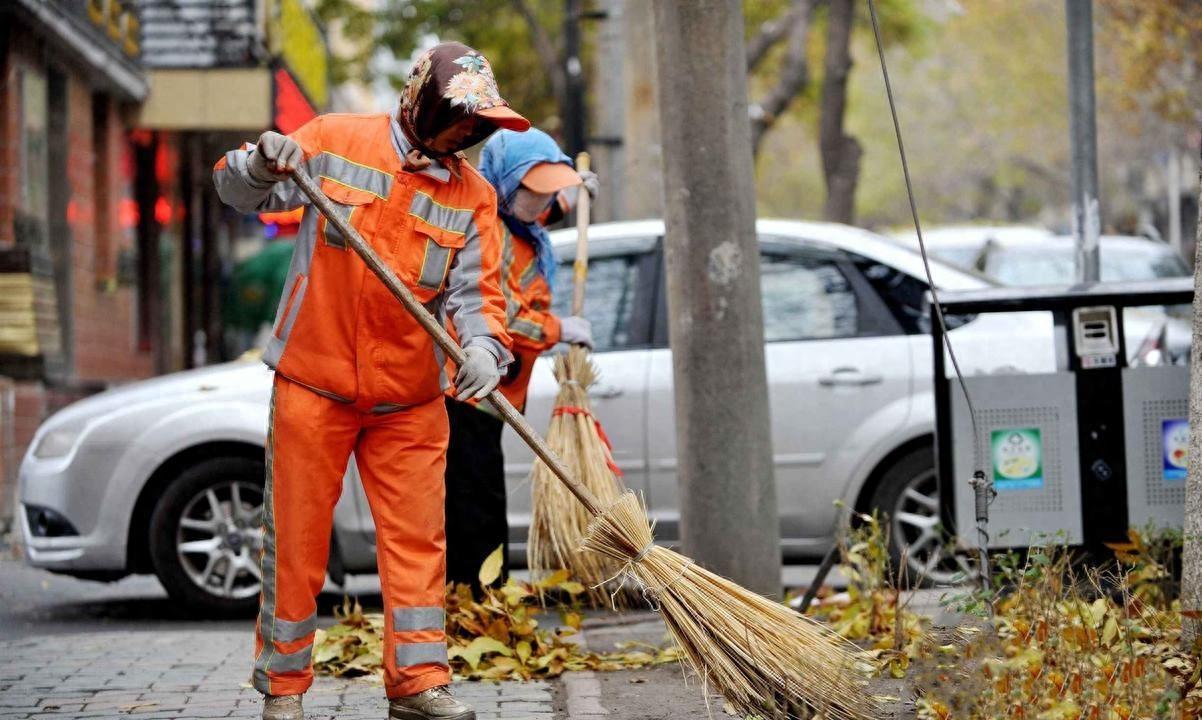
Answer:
(1017, 459)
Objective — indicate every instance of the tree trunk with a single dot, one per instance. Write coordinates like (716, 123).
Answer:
(723, 436)
(840, 152)
(1191, 572)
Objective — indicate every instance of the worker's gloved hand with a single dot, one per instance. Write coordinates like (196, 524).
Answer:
(591, 182)
(478, 374)
(576, 330)
(274, 158)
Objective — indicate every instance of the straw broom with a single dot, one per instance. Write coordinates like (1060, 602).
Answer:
(560, 523)
(761, 656)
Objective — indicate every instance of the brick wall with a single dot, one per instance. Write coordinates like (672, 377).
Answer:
(22, 409)
(105, 324)
(104, 327)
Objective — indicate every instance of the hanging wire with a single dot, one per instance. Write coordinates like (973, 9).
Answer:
(982, 488)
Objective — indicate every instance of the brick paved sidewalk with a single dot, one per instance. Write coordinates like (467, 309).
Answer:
(197, 674)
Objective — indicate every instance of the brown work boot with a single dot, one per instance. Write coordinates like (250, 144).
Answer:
(437, 703)
(282, 707)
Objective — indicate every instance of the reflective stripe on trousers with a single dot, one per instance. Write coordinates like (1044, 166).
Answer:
(401, 458)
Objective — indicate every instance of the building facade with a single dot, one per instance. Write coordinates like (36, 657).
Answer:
(220, 74)
(115, 252)
(71, 281)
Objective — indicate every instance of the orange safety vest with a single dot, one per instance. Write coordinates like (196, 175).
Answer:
(532, 326)
(338, 330)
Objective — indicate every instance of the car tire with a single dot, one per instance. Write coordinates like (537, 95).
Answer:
(907, 496)
(207, 527)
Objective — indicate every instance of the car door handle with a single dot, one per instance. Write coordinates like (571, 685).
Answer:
(604, 392)
(849, 377)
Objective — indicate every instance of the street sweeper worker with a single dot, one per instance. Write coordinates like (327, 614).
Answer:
(356, 373)
(536, 185)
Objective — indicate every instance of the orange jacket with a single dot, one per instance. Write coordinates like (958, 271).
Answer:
(338, 330)
(532, 326)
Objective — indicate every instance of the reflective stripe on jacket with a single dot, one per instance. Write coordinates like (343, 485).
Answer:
(532, 326)
(338, 330)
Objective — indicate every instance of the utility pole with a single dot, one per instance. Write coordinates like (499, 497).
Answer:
(723, 435)
(1176, 241)
(573, 110)
(1083, 131)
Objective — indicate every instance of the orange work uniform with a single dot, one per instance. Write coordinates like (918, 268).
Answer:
(355, 373)
(532, 327)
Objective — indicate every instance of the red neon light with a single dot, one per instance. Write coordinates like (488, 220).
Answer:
(127, 213)
(162, 211)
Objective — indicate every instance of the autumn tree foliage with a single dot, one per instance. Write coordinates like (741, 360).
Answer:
(1158, 48)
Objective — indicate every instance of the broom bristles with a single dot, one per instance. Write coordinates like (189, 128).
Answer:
(764, 658)
(560, 521)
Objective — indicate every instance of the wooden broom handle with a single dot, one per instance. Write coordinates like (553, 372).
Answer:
(581, 264)
(442, 338)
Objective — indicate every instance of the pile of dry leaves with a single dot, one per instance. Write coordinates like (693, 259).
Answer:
(507, 635)
(1050, 640)
(1066, 644)
(868, 612)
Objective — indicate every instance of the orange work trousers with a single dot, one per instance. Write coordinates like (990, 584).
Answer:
(401, 457)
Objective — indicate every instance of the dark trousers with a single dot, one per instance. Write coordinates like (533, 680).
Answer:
(476, 521)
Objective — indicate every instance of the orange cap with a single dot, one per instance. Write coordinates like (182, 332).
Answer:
(506, 117)
(551, 177)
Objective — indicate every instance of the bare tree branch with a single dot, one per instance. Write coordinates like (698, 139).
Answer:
(548, 54)
(793, 76)
(773, 32)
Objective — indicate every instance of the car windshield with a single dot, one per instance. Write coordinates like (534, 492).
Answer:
(962, 257)
(1042, 265)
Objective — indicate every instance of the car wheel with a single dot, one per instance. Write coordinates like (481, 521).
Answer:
(908, 495)
(206, 536)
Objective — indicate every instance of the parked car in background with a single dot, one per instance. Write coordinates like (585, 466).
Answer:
(1032, 256)
(962, 245)
(166, 475)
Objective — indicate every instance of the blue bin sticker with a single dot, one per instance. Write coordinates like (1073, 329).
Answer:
(1174, 446)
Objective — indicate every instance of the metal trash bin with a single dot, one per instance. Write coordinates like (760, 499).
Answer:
(1080, 453)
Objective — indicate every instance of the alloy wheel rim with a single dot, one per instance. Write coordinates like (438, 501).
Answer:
(219, 539)
(918, 528)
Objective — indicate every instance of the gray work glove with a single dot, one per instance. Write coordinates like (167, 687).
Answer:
(571, 194)
(576, 330)
(274, 158)
(478, 374)
(591, 182)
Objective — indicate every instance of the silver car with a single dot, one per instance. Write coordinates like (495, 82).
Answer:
(166, 475)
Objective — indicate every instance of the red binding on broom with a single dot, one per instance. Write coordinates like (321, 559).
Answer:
(609, 458)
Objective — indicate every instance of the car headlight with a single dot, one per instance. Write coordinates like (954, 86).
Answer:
(58, 442)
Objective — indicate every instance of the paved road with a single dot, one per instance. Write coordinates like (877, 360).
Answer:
(38, 603)
(195, 674)
(78, 649)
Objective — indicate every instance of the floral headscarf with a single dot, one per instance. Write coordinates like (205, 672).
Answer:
(449, 82)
